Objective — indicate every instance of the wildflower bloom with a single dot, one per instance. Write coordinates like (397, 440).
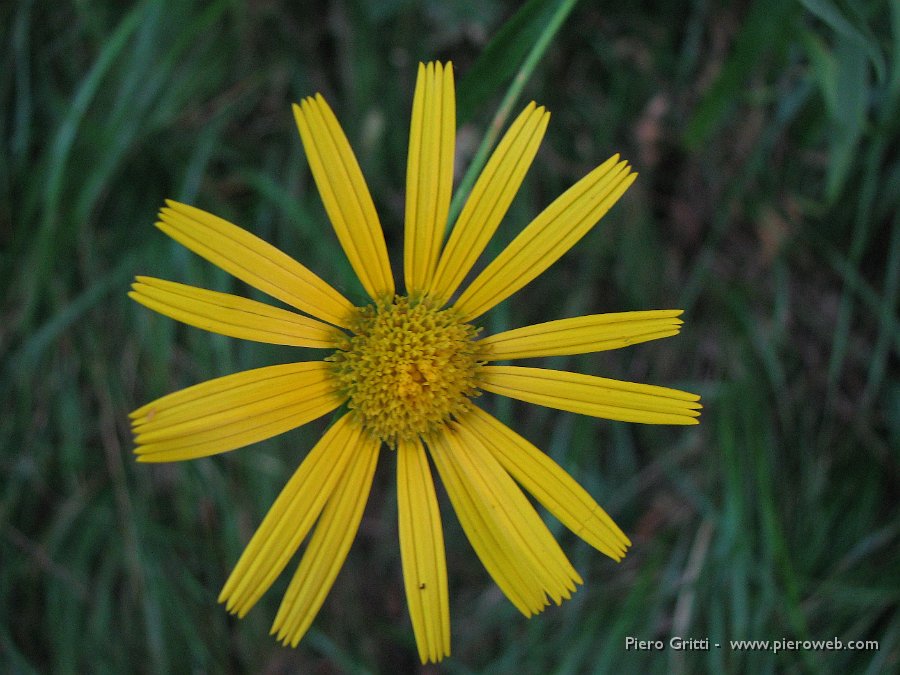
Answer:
(404, 370)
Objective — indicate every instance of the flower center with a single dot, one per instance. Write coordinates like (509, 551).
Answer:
(408, 369)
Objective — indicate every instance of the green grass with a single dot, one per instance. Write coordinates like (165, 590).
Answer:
(766, 134)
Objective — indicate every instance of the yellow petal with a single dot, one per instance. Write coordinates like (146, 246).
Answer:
(591, 395)
(581, 335)
(490, 198)
(291, 517)
(254, 261)
(506, 532)
(233, 411)
(345, 195)
(328, 546)
(429, 173)
(422, 552)
(559, 227)
(555, 489)
(232, 315)
(498, 560)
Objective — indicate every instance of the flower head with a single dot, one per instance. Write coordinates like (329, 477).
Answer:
(405, 370)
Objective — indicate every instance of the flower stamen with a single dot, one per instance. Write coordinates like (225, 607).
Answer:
(408, 369)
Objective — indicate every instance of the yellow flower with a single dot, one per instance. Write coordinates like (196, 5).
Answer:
(406, 369)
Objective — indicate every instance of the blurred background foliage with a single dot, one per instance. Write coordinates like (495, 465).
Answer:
(766, 136)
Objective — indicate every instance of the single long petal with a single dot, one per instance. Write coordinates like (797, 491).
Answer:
(328, 546)
(429, 173)
(591, 395)
(506, 532)
(345, 195)
(490, 199)
(559, 227)
(254, 261)
(511, 575)
(581, 334)
(555, 489)
(291, 516)
(233, 411)
(422, 552)
(232, 315)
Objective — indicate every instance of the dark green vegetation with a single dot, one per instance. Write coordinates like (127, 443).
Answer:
(766, 136)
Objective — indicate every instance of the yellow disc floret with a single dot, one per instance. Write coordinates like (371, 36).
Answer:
(408, 369)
